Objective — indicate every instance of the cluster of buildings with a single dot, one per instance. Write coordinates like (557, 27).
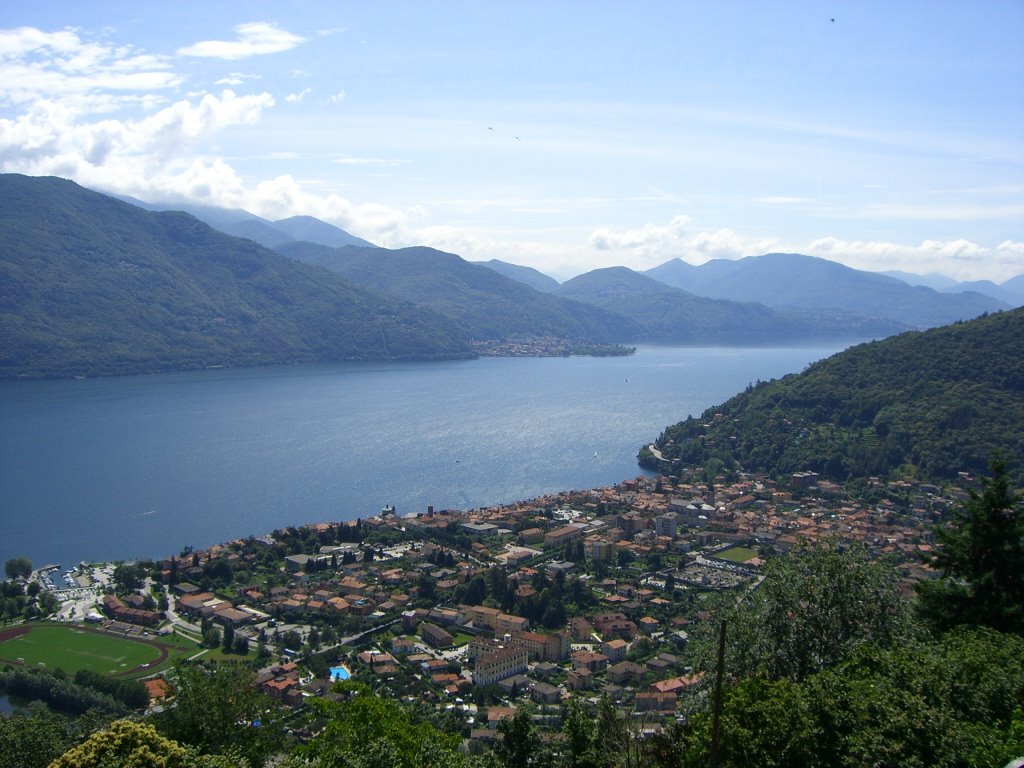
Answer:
(641, 548)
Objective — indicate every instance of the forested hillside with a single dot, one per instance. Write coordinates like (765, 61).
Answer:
(95, 286)
(483, 303)
(929, 404)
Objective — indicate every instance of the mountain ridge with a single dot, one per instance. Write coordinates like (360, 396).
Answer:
(97, 286)
(796, 281)
(485, 304)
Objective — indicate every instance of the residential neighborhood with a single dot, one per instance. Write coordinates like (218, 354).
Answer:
(476, 613)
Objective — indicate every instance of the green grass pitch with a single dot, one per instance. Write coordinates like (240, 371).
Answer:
(72, 648)
(737, 554)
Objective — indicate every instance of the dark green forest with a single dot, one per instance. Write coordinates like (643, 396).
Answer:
(924, 404)
(95, 286)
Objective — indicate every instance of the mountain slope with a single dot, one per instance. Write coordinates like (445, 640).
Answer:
(528, 275)
(793, 281)
(672, 315)
(93, 285)
(932, 403)
(313, 230)
(241, 223)
(988, 288)
(484, 304)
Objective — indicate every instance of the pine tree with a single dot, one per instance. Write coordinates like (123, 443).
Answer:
(980, 559)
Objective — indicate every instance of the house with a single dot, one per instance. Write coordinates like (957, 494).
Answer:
(480, 616)
(626, 673)
(595, 548)
(232, 617)
(499, 665)
(666, 525)
(531, 536)
(506, 623)
(563, 535)
(582, 631)
(157, 688)
(595, 662)
(436, 636)
(579, 679)
(552, 647)
(661, 703)
(480, 529)
(117, 610)
(545, 693)
(615, 649)
(403, 645)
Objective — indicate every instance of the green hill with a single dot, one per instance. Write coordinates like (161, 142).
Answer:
(532, 277)
(95, 286)
(671, 315)
(930, 403)
(792, 281)
(484, 304)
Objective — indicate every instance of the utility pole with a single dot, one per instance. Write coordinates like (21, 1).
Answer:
(713, 760)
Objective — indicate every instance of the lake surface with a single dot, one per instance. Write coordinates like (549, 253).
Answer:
(142, 466)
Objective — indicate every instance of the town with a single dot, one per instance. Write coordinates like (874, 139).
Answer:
(474, 614)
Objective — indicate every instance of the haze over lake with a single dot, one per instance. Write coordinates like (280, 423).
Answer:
(142, 466)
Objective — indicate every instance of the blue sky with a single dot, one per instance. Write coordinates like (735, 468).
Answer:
(564, 136)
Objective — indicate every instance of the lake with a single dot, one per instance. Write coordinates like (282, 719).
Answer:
(141, 466)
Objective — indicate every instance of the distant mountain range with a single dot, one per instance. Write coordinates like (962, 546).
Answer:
(240, 223)
(791, 281)
(96, 286)
(176, 295)
(924, 404)
(483, 303)
(674, 316)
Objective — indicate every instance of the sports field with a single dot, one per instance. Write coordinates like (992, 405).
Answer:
(737, 554)
(72, 648)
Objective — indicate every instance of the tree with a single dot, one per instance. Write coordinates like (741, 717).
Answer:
(813, 608)
(127, 577)
(229, 637)
(580, 733)
(951, 701)
(127, 744)
(32, 740)
(18, 568)
(219, 711)
(366, 731)
(980, 559)
(519, 744)
(211, 637)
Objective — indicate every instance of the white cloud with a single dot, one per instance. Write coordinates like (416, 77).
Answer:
(960, 259)
(652, 244)
(646, 237)
(86, 76)
(337, 98)
(129, 156)
(237, 78)
(254, 39)
(295, 98)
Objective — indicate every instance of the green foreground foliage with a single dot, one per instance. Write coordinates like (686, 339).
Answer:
(981, 561)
